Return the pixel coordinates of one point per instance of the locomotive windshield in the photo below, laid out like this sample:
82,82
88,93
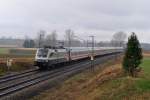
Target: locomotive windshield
42,52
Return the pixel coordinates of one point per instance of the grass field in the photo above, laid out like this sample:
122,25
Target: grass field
146,66
100,86
17,52
22,59
4,50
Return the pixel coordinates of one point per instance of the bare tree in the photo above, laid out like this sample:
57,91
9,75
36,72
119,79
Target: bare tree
118,39
69,37
51,39
40,38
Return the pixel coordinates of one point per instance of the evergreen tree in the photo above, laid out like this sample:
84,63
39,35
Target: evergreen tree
133,55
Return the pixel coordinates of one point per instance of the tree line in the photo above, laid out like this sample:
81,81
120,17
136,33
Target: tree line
71,39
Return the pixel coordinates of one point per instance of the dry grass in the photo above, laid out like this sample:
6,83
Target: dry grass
82,86
23,58
146,53
18,64
108,82
142,96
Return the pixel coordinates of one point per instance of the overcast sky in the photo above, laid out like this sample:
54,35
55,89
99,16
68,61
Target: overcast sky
101,18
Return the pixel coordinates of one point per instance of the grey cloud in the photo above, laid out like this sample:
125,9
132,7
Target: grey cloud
26,17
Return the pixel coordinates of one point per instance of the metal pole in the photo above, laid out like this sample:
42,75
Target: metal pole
87,44
69,46
40,40
92,58
41,37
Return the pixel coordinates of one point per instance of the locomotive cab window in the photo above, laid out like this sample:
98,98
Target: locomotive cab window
42,53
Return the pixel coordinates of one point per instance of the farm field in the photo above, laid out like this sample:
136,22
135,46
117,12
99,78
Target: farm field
22,59
4,50
17,52
108,83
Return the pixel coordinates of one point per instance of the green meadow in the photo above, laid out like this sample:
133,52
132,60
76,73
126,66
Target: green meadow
129,88
4,50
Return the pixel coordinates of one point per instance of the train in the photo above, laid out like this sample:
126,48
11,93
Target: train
49,57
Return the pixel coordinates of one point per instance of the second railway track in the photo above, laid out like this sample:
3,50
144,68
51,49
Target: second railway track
17,75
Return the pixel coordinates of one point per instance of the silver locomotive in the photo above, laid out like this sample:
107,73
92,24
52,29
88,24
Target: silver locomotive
48,57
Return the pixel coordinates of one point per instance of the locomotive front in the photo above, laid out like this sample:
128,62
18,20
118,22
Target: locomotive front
41,58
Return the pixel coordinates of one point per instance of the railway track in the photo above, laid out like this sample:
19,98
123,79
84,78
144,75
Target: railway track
33,80
18,75
14,83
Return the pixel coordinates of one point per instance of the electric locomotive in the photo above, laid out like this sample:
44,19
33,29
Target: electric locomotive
48,57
